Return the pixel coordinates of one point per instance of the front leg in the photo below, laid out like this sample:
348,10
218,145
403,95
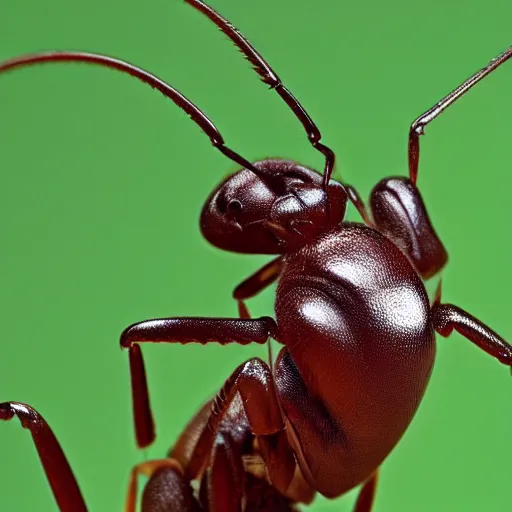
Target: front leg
256,283
182,330
254,383
366,495
448,317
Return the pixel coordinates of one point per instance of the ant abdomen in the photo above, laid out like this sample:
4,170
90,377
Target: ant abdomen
278,210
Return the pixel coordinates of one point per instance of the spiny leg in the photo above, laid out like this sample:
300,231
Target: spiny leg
169,486
153,81
418,125
254,383
58,471
270,78
222,483
366,495
182,330
448,317
220,469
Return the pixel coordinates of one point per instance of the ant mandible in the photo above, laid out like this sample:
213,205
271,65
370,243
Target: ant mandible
352,313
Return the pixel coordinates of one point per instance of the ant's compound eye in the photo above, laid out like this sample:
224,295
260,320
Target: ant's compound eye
228,207
234,206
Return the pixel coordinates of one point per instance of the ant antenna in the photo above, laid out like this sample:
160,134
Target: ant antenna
269,77
199,117
418,125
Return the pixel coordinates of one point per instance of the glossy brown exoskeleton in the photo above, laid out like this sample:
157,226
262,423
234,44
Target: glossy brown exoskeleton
352,313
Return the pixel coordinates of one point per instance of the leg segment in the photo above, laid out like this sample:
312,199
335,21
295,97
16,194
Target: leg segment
256,283
253,285
183,448
356,200
418,126
393,214
169,488
448,317
367,494
254,382
182,330
269,77
166,491
60,475
222,486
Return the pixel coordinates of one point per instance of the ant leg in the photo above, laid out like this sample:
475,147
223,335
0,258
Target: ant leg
183,448
367,494
224,475
418,126
397,206
167,488
253,285
222,486
448,317
354,196
254,383
256,283
58,471
182,330
269,77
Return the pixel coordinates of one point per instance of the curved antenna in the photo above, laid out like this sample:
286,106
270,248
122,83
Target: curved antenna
199,117
268,76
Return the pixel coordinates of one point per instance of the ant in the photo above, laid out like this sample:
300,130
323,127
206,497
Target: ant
356,325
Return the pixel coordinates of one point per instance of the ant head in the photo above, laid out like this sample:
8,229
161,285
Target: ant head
278,210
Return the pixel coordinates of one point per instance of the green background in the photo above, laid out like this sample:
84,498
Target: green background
103,180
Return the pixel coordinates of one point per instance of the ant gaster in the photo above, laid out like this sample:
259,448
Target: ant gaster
352,313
